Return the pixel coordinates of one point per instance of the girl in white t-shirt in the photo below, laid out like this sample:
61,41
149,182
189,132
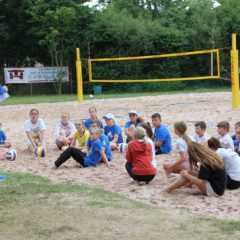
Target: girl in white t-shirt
35,131
182,163
231,162
149,137
64,131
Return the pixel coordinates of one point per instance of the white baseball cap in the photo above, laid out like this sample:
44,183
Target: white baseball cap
133,112
109,116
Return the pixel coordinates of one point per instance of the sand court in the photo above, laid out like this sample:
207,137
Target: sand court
208,107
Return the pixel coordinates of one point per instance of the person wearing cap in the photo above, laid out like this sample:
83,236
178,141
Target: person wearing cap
130,125
112,131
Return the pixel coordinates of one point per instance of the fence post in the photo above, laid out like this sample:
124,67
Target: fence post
234,73
79,76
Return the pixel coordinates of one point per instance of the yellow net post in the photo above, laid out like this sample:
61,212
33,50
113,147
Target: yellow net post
79,76
234,73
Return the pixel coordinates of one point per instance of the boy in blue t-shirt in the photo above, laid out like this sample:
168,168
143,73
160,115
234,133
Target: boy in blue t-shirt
92,158
162,137
104,140
112,131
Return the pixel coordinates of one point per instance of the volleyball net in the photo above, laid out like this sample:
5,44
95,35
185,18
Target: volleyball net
196,65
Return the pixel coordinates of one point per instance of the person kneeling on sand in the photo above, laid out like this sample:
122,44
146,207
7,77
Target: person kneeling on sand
231,161
95,155
211,179
64,131
139,157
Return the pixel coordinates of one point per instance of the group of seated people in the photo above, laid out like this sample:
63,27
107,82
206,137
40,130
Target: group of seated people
210,163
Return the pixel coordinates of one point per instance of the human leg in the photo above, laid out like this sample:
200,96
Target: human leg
77,155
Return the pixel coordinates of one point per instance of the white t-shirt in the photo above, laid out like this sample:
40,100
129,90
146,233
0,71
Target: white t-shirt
154,163
68,129
201,139
34,127
181,146
226,141
231,162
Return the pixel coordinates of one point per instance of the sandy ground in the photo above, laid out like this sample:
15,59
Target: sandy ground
209,107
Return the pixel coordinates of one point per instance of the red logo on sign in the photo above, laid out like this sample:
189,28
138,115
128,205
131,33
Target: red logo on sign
16,74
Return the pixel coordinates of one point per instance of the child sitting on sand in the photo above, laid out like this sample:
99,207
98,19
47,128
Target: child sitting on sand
93,117
182,163
64,131
81,136
224,138
35,131
104,140
231,162
201,136
162,137
113,131
211,179
92,158
139,155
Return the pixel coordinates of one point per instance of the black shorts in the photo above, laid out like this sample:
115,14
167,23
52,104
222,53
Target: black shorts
232,184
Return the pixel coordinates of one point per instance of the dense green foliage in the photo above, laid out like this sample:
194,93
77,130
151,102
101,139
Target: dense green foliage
48,31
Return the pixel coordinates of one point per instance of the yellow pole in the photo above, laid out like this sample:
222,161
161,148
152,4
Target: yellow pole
234,73
79,76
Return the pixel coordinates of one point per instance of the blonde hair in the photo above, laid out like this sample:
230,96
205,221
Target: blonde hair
140,134
92,108
65,113
181,127
204,155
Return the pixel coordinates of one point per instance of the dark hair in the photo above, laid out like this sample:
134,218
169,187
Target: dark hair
224,124
237,124
214,143
201,124
156,115
140,119
97,122
148,128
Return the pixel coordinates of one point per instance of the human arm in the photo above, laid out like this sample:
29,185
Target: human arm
30,138
42,137
104,158
200,183
177,165
73,143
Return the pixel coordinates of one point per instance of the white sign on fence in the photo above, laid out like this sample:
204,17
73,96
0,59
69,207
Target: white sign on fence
35,75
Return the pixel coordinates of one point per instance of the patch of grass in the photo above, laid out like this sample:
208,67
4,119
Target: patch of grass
33,208
36,99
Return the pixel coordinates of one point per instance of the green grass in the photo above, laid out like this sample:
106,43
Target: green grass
33,208
67,97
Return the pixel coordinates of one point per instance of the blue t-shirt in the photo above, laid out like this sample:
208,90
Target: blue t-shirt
88,123
3,137
162,134
93,156
106,145
234,137
111,131
128,124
